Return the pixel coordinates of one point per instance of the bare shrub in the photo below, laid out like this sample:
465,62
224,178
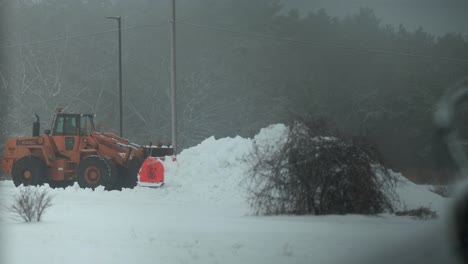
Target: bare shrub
30,203
317,171
442,190
43,202
422,212
23,204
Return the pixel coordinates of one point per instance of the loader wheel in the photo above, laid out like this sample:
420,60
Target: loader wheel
29,170
113,180
94,171
128,177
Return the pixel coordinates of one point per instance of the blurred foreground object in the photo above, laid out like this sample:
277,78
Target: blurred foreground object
449,133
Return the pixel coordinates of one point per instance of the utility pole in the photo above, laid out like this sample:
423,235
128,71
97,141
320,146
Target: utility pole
173,77
119,25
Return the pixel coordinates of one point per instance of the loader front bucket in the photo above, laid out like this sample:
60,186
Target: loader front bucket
151,173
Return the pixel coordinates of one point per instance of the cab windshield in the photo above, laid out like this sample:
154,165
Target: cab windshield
86,124
73,124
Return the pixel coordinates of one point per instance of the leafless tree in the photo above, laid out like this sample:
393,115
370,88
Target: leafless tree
316,171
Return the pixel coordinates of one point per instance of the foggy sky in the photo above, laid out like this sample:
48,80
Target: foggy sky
435,16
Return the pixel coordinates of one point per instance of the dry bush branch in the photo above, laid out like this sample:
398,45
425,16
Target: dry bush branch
422,212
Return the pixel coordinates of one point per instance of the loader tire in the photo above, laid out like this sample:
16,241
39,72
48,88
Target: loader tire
94,171
113,183
29,171
128,177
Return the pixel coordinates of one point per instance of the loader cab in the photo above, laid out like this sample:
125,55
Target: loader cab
69,131
72,124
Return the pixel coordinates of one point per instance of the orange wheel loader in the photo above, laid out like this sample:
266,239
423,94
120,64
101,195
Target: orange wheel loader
72,150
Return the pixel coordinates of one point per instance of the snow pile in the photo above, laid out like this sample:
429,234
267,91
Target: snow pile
215,170
212,171
414,196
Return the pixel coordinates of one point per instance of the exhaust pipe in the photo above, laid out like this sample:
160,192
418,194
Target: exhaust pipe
36,127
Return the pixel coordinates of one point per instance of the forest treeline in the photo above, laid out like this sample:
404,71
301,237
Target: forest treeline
228,83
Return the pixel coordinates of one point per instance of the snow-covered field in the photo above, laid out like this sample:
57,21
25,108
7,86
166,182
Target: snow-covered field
201,216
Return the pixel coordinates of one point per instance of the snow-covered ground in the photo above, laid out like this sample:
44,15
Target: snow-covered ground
201,216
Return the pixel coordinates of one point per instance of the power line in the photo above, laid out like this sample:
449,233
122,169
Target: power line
79,36
325,45
256,35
